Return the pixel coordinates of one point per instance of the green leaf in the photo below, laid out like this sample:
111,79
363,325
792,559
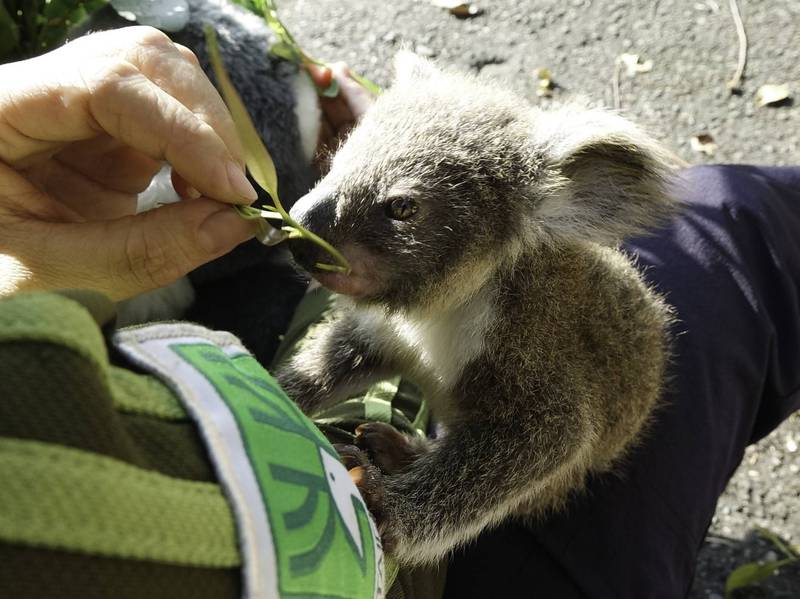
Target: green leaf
288,48
776,540
751,573
9,35
370,86
286,51
256,156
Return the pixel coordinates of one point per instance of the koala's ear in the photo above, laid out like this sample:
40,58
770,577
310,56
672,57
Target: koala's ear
607,180
409,67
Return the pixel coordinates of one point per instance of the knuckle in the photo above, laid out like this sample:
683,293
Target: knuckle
188,54
150,36
149,263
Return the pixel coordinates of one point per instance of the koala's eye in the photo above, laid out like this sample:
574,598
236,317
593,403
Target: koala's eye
401,208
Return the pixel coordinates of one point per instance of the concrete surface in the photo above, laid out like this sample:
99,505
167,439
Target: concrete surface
693,46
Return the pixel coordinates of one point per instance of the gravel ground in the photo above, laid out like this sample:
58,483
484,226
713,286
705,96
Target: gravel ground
693,46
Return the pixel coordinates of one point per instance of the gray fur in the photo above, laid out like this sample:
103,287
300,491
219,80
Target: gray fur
504,297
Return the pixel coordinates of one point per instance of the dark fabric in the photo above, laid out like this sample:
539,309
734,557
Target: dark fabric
35,573
730,265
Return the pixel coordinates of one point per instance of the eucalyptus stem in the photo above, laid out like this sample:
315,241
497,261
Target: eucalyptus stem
288,48
261,166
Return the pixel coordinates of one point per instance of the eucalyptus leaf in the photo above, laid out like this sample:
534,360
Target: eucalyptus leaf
751,573
285,51
256,155
9,34
287,47
258,160
265,233
369,85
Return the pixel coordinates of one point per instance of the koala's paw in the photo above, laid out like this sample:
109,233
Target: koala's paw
369,481
388,449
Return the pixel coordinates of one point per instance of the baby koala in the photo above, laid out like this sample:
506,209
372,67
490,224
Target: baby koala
482,234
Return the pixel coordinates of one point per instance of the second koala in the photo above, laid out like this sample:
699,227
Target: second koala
483,238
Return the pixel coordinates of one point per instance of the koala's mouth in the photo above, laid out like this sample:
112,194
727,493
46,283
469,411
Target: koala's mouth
353,284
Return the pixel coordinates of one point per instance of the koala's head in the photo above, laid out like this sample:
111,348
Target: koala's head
447,178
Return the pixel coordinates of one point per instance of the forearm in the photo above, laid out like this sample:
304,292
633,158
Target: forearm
477,475
334,363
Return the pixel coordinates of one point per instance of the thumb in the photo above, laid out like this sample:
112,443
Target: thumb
133,254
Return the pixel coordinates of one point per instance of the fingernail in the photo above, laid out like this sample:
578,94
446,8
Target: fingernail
192,193
239,182
224,230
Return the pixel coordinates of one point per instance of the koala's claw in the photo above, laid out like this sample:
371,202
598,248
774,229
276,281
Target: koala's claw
388,449
369,481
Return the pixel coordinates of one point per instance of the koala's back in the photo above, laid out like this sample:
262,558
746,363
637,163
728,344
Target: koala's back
579,322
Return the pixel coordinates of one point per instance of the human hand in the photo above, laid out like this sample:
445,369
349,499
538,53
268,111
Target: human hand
83,130
340,113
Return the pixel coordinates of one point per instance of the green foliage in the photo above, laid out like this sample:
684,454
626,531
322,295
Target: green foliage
753,572
30,27
260,164
288,48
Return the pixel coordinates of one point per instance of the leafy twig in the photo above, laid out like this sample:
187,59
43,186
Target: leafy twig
288,48
736,80
778,542
754,572
260,163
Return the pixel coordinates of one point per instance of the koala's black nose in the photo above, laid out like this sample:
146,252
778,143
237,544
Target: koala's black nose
316,212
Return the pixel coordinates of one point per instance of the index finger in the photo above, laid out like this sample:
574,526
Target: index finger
176,70
135,85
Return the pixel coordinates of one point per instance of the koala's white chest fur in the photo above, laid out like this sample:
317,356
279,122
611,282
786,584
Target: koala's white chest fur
433,348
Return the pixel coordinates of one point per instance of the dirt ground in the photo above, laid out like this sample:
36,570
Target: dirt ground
693,47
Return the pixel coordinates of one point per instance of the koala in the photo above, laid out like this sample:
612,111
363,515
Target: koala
483,238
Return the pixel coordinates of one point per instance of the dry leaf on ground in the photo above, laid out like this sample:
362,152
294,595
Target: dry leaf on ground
544,82
634,64
703,143
772,94
459,9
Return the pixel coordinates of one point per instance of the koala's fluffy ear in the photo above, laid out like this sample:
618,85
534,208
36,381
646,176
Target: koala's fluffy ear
607,179
410,67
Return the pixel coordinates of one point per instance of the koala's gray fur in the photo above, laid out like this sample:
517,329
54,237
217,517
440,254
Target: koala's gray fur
534,338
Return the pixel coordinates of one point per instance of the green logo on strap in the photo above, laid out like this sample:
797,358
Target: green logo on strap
324,540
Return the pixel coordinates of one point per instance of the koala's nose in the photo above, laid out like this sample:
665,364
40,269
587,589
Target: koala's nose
315,211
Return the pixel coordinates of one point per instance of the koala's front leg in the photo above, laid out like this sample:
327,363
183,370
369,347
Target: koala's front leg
336,362
483,470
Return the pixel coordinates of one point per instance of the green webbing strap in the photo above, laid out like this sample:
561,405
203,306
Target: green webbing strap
143,394
51,318
59,497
